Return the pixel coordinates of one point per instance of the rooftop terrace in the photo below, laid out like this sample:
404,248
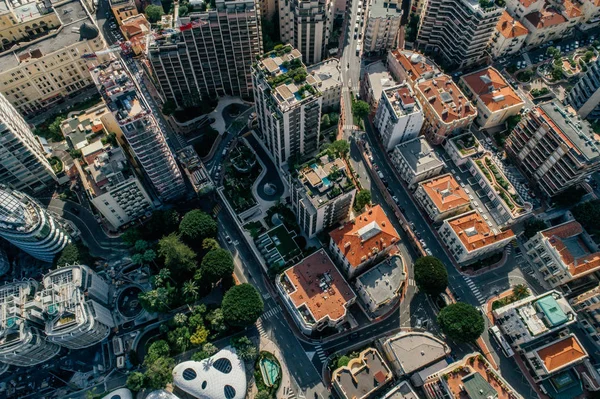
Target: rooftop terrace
324,179
402,100
384,281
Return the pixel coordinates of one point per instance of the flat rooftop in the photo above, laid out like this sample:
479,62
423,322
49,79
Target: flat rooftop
326,73
448,101
491,89
72,15
445,193
384,8
383,282
474,232
315,285
419,155
415,350
402,100
363,375
379,78
323,180
577,133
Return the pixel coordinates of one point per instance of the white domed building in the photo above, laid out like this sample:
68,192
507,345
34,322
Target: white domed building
121,393
221,376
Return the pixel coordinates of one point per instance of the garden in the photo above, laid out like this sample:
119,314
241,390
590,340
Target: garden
467,144
267,375
518,292
56,163
498,181
238,179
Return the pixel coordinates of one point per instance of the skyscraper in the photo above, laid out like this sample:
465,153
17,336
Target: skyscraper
585,95
306,25
459,29
25,224
22,162
141,130
211,56
288,105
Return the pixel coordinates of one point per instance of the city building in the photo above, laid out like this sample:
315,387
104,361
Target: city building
553,148
73,303
329,81
472,377
141,130
321,195
591,14
211,56
23,165
408,352
383,25
195,170
123,9
410,66
22,344
289,114
383,284
42,48
563,253
363,241
222,375
585,94
82,129
545,25
399,117
315,293
519,8
509,36
552,358
495,99
459,29
534,318
113,188
462,147
442,197
587,306
306,25
121,393
362,377
469,237
135,29
505,203
445,107
416,161
375,79
26,225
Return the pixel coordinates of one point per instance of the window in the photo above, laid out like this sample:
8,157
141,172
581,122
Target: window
189,374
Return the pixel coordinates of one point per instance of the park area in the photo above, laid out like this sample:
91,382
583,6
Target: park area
241,171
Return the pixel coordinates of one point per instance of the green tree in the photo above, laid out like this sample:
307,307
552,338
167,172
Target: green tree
262,395
360,109
137,259
210,244
135,381
190,291
588,56
334,118
430,275
461,322
216,265
183,11
520,291
217,321
149,256
200,336
178,257
74,253
242,305
179,339
340,148
363,197
532,226
210,349
557,72
141,245
54,128
131,236
244,348
159,374
552,51
412,28
169,106
156,350
342,362
157,300
154,13
588,214
569,197
162,278
325,121
179,319
197,225
162,223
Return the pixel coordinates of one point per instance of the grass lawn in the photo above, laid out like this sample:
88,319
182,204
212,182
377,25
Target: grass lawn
284,242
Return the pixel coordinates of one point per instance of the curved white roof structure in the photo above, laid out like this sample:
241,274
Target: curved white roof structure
219,377
161,394
121,393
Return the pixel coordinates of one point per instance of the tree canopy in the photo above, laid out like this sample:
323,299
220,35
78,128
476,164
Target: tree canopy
340,148
360,109
363,197
169,106
245,348
135,381
177,256
588,214
197,225
216,265
461,322
431,275
74,253
242,305
532,226
154,13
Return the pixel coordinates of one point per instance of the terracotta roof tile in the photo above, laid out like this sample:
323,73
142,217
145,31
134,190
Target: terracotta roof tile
545,19
491,89
446,99
556,236
474,232
365,236
414,69
527,3
571,9
307,277
561,353
510,27
445,192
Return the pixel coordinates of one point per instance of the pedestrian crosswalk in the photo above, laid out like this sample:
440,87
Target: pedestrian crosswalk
261,329
288,393
348,127
270,313
474,289
321,353
355,89
411,282
509,249
266,296
217,209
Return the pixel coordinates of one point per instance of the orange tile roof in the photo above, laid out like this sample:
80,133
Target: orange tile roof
441,93
492,89
545,19
527,3
135,25
306,277
510,27
577,266
561,353
571,9
474,232
445,192
414,69
365,236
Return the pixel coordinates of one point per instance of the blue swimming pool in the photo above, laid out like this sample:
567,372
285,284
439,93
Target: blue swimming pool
326,182
283,69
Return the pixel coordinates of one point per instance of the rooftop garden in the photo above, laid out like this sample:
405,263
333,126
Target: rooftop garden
238,184
466,144
295,72
279,51
518,292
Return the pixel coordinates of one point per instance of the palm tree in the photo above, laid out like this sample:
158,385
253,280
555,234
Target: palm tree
520,291
190,289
